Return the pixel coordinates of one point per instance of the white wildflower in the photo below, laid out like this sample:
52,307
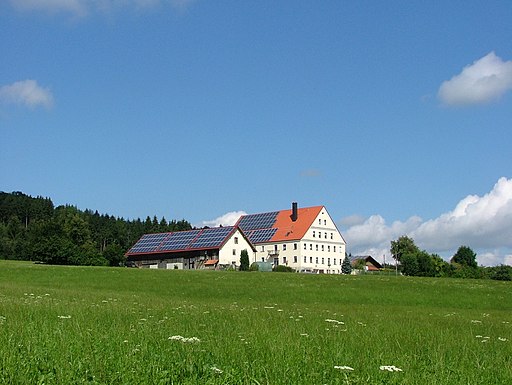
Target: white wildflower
216,370
502,339
304,334
64,316
343,367
390,368
475,321
185,340
335,321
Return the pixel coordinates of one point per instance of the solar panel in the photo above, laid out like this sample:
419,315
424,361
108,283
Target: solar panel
148,243
211,237
258,221
179,240
261,235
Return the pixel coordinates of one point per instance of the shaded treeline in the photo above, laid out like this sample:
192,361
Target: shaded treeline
33,229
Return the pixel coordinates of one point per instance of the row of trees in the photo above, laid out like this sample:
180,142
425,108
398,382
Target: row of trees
33,229
463,264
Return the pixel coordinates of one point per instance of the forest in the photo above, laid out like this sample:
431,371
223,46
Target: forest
32,228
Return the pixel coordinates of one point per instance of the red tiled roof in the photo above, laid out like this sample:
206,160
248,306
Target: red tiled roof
288,230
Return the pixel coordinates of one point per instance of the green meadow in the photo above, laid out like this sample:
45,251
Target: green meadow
91,325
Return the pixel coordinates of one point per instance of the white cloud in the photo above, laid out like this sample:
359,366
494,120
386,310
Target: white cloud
26,92
80,8
485,80
228,219
482,223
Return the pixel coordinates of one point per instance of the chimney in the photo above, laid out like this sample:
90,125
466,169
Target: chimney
295,212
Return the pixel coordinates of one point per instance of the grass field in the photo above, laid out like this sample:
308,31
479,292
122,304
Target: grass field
86,325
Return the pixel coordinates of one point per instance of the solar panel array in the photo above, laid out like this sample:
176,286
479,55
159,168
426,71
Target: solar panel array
211,237
181,241
261,235
148,243
258,221
259,227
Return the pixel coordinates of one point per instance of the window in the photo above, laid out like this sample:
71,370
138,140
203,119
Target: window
316,247
313,233
331,235
334,247
323,261
295,247
329,248
325,222
275,248
316,260
325,236
305,259
234,251
322,247
319,221
294,259
305,246
329,261
310,246
284,247
236,240
262,259
262,248
334,260
310,259
284,260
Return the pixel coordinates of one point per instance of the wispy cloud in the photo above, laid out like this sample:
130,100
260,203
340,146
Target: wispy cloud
81,8
26,92
483,81
480,222
311,173
228,219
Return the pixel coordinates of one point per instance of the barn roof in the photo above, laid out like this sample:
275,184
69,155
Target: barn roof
198,239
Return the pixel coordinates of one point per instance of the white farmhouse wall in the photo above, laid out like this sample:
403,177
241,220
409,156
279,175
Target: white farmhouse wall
321,250
230,252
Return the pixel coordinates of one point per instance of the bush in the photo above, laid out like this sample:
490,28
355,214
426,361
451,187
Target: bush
283,269
254,267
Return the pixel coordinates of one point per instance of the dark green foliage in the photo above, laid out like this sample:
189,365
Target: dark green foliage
32,229
502,273
244,260
465,257
409,264
346,266
254,267
283,269
403,246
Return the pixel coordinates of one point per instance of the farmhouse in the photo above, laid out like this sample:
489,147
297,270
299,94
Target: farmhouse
194,249
306,239
368,262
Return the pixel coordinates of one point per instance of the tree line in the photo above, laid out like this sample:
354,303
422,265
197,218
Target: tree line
31,228
415,262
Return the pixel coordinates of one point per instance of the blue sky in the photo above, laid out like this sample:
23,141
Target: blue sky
396,116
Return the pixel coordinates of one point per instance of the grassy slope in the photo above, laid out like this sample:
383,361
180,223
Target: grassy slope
63,325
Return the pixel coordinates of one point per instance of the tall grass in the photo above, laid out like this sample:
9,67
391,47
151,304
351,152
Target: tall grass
79,325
